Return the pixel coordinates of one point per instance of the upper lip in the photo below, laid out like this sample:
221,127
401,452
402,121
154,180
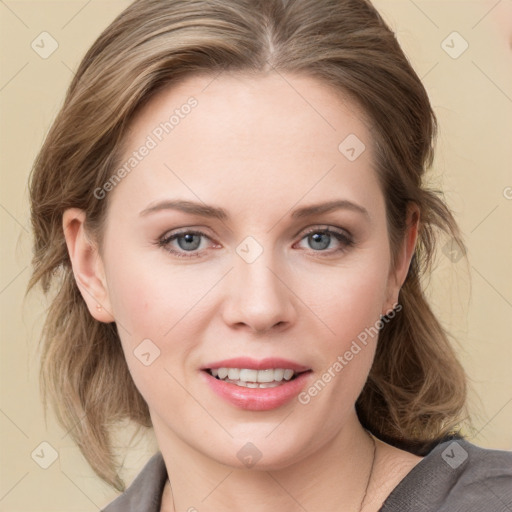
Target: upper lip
256,364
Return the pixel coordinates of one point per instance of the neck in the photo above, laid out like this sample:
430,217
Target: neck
335,477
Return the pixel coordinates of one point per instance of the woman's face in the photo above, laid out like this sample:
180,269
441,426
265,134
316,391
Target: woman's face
258,283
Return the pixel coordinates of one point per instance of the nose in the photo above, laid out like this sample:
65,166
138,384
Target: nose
258,296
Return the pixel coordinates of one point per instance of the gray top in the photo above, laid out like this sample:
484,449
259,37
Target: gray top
456,476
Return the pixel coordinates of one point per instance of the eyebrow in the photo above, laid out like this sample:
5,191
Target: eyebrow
341,204
205,210
188,207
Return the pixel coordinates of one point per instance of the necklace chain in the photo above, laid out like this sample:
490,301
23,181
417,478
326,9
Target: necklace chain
370,474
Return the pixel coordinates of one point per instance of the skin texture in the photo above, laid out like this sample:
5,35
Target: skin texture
259,149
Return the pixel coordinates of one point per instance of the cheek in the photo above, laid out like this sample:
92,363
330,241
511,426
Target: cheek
135,299
351,307
146,308
350,298
148,296
157,308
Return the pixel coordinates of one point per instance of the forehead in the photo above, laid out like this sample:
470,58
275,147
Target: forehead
280,135
233,105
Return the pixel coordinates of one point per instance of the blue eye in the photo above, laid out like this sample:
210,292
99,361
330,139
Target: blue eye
191,241
320,239
188,242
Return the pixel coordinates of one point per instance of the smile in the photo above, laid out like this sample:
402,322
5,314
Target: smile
256,385
249,378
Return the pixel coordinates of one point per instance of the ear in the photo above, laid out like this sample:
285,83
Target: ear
398,274
87,265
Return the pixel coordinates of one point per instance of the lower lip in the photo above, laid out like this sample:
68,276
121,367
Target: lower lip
257,399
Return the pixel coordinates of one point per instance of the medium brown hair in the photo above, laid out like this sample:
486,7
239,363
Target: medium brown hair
416,390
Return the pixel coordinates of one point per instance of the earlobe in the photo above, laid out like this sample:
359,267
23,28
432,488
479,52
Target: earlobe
87,265
399,273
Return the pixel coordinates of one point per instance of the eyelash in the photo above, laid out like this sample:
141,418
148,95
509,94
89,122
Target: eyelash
345,239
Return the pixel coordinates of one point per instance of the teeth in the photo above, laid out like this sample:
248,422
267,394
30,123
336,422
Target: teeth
278,374
243,384
288,374
233,373
249,375
266,375
251,378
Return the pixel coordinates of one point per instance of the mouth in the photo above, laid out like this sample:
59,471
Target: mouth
256,385
251,378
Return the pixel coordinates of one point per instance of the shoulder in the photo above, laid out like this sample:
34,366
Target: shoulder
145,493
456,476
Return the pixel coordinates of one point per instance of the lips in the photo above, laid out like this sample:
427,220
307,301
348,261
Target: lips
256,364
256,385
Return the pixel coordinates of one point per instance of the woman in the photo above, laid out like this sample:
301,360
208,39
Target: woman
232,200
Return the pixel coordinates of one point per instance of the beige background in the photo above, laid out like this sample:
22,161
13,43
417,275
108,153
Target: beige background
472,96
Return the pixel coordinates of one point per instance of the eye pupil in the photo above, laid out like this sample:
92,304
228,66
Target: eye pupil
189,238
317,242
